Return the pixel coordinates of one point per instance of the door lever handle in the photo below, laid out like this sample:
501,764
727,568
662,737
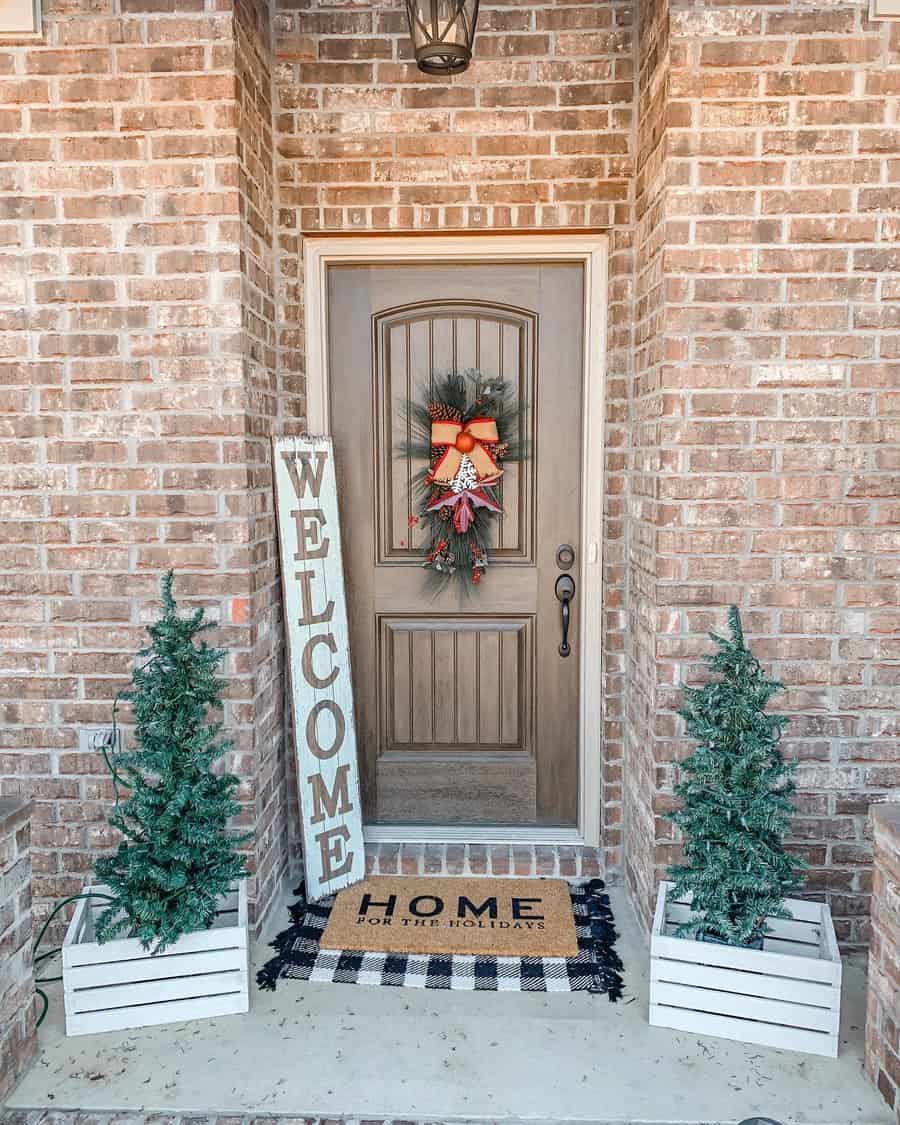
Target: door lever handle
565,591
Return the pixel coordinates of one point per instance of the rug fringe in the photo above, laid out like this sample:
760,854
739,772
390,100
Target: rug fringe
267,976
607,967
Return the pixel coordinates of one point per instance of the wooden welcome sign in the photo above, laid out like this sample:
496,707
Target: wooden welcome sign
315,612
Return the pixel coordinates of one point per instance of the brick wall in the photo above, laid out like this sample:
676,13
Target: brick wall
537,134
18,1002
883,1007
644,453
263,411
163,161
136,359
778,413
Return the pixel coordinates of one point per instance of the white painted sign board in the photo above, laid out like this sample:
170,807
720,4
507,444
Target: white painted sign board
318,651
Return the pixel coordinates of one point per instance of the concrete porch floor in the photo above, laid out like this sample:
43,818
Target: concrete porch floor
343,1051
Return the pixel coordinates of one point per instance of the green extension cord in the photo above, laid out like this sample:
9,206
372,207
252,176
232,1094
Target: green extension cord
50,953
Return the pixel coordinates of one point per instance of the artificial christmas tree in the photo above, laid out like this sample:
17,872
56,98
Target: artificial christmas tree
177,859
762,968
736,791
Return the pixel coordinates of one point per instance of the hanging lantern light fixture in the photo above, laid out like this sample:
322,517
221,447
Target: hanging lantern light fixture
442,33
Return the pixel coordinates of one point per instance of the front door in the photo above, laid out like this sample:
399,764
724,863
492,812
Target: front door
466,712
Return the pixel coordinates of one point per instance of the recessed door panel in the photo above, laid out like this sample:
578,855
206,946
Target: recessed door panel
455,682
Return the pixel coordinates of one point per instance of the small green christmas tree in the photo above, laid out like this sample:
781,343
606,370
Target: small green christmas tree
736,791
177,856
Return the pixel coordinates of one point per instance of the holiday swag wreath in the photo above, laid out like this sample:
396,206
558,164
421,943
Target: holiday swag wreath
464,431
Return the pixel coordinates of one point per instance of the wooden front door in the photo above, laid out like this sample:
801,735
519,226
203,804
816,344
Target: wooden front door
466,712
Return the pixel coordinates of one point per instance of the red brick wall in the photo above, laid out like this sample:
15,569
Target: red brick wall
644,450
136,360
537,134
882,1011
18,1000
263,413
779,403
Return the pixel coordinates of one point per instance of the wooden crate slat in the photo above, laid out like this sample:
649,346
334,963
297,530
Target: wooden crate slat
733,957
792,948
830,947
745,1006
149,1015
786,929
227,916
154,992
770,945
75,929
130,949
816,993
803,910
153,968
229,903
745,1031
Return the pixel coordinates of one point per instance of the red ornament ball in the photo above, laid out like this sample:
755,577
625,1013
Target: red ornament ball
465,443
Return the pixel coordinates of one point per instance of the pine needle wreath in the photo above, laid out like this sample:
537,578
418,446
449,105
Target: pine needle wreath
464,428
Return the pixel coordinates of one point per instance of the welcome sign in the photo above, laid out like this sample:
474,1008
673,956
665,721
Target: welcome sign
319,661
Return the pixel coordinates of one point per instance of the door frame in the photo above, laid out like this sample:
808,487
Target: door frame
591,250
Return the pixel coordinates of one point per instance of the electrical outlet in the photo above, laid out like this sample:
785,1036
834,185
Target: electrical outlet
94,739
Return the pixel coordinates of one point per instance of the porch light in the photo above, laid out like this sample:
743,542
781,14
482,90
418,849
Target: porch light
442,33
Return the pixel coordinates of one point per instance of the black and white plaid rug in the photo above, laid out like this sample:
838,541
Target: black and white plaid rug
596,967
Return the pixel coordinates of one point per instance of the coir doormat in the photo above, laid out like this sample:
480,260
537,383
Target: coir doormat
503,917
596,966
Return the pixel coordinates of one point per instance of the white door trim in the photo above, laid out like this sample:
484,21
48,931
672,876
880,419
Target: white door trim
592,251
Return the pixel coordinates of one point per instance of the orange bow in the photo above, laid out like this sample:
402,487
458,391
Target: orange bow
465,440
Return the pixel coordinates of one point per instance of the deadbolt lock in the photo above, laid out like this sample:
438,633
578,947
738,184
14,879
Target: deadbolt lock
565,556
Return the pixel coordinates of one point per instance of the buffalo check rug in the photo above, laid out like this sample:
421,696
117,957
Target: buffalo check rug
596,966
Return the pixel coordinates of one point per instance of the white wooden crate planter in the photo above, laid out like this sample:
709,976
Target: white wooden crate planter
788,994
119,984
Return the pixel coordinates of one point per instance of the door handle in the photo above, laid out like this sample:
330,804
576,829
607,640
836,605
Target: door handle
565,591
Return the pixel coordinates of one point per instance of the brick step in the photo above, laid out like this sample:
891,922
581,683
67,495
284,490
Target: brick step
524,860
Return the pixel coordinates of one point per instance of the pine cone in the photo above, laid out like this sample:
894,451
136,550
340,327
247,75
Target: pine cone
439,412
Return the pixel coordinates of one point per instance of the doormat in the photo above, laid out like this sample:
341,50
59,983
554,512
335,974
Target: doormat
503,917
595,968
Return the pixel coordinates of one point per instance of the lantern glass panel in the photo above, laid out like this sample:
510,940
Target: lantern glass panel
442,33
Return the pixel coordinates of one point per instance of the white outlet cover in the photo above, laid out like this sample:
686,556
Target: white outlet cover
884,9
90,739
